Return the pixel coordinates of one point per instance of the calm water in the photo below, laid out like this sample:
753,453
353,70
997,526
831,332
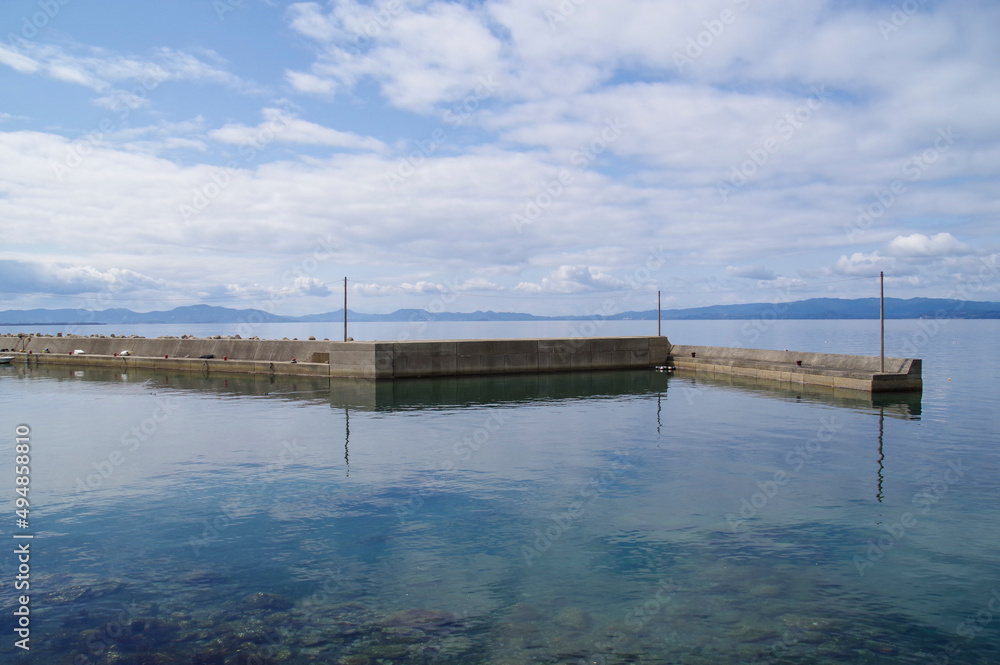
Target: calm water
614,517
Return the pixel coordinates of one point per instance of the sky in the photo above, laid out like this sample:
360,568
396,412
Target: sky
543,156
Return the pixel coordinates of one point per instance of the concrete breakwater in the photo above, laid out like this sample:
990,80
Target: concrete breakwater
365,360
393,360
850,372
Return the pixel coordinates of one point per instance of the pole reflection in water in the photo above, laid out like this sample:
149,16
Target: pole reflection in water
881,455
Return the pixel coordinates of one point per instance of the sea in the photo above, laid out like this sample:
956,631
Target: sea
597,517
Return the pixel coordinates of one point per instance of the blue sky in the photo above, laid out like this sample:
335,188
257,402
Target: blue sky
549,156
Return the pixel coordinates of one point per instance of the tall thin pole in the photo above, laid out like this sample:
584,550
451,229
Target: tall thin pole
345,309
881,318
658,329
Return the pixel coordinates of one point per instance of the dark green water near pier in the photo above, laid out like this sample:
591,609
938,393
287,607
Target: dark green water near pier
613,517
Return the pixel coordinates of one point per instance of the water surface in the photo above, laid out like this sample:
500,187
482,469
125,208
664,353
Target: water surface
619,517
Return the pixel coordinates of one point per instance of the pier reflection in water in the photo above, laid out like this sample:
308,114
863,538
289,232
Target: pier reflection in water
621,517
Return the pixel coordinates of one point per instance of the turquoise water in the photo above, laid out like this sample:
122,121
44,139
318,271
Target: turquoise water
613,517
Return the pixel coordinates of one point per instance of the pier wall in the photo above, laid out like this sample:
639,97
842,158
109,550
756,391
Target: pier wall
393,360
368,360
270,350
851,372
384,360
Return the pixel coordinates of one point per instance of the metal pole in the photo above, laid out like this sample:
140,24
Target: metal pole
881,317
658,330
345,309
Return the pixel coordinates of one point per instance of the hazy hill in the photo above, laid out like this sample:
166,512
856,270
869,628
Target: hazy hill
813,308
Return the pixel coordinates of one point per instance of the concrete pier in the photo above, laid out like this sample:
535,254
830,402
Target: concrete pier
848,372
362,360
396,360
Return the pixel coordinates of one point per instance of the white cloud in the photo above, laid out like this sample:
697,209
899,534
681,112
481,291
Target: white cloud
862,265
18,61
311,286
282,127
479,284
375,290
424,287
68,278
420,55
918,244
572,279
122,99
751,272
87,278
592,129
99,69
310,83
301,286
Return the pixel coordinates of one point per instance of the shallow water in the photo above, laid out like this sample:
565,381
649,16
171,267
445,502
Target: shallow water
618,517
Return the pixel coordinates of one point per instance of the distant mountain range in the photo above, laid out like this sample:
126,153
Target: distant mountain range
813,308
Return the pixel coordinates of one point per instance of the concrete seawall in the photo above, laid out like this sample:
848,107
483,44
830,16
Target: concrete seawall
389,360
364,360
793,367
393,360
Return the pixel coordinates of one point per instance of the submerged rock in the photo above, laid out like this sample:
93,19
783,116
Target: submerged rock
266,601
524,612
204,577
423,619
355,659
809,623
386,651
574,618
765,590
114,657
83,592
452,646
209,658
